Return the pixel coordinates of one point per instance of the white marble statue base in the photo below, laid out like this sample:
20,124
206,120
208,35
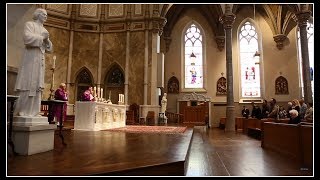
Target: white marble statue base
29,121
30,140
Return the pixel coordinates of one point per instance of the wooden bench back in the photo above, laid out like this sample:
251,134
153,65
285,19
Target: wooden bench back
292,140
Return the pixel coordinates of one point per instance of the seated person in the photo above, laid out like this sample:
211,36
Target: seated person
309,113
88,95
282,113
245,112
294,117
256,112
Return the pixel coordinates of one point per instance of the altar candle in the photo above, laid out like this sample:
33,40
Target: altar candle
98,92
94,91
101,93
54,62
109,94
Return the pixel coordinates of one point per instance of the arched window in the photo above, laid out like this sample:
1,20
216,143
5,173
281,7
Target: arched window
193,57
83,81
249,61
311,56
114,83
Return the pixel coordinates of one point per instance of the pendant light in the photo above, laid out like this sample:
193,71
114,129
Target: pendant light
257,53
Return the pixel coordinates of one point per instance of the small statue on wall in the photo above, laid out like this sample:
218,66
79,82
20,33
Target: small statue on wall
281,85
173,85
222,86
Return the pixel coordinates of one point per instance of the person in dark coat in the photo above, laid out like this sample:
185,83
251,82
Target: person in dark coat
245,112
294,117
256,111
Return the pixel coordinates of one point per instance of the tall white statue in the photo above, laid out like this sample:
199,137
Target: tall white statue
30,78
164,103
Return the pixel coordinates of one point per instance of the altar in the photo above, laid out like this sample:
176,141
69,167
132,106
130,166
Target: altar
96,116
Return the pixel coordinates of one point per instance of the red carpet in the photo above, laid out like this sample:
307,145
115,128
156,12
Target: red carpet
149,129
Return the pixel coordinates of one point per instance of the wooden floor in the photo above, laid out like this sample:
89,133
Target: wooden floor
197,152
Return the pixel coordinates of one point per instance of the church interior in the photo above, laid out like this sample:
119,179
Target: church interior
207,60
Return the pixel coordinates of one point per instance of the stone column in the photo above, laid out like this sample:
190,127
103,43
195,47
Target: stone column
100,60
154,57
73,16
146,58
145,68
302,19
227,20
157,29
126,79
100,50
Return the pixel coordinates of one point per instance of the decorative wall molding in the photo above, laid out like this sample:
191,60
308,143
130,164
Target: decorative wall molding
193,97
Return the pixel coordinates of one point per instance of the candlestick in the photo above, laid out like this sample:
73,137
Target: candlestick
54,62
101,93
98,92
94,91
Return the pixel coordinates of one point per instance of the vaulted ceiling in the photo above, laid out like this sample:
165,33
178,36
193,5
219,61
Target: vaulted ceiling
280,17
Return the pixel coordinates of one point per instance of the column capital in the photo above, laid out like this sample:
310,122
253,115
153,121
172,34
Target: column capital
158,24
227,20
279,39
220,40
302,17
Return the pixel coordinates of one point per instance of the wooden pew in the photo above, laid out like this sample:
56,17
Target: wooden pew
292,140
306,140
254,126
239,123
222,123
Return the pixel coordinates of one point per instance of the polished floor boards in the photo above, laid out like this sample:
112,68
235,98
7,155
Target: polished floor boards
197,152
107,153
214,152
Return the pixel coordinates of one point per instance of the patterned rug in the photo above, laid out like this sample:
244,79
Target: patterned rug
149,129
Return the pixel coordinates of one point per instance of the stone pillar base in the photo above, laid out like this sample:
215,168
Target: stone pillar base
230,121
35,139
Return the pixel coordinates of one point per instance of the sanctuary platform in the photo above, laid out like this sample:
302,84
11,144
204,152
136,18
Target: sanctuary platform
107,153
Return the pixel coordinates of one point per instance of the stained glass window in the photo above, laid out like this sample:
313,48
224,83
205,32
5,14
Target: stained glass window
193,58
249,64
311,56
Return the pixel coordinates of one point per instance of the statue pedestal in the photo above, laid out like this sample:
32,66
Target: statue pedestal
30,121
32,135
162,118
